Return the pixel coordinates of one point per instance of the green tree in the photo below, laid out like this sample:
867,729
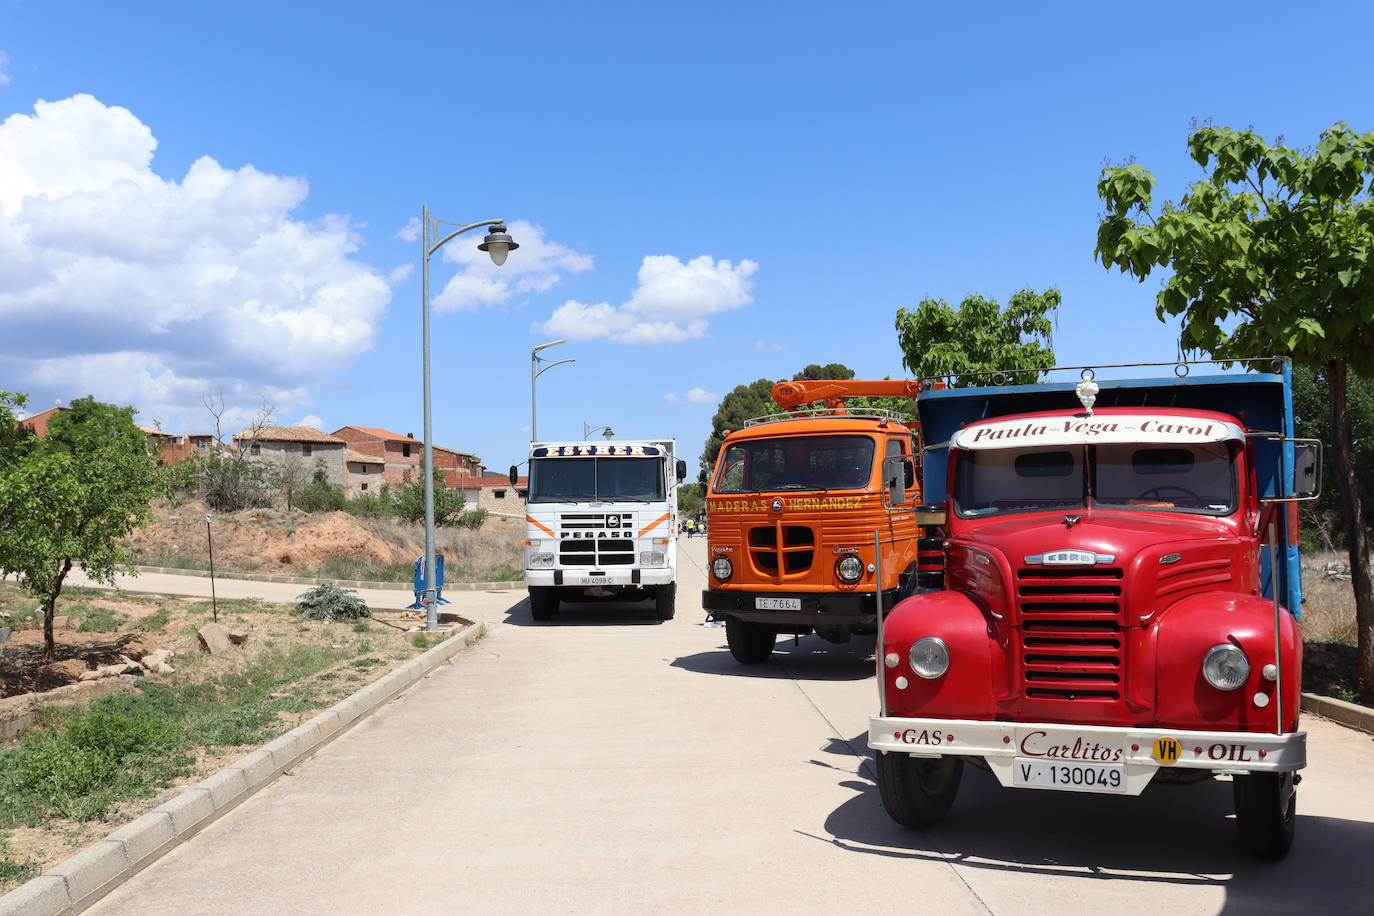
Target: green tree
741,403
1312,411
980,343
1272,253
12,434
409,502
691,499
67,499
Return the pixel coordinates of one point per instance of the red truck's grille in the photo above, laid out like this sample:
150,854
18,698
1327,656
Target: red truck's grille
1070,632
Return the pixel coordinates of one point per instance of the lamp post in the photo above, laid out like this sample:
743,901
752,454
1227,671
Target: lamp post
535,372
588,429
497,244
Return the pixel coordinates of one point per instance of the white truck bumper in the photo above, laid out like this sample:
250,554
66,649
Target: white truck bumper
1139,752
586,578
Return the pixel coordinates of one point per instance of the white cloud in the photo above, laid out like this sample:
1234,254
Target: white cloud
4,66
310,419
670,303
535,267
765,345
694,396
410,232
138,289
399,275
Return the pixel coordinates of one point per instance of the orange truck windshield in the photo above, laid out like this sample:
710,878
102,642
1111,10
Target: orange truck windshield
796,463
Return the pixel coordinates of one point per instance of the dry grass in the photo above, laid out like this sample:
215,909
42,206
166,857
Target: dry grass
1328,613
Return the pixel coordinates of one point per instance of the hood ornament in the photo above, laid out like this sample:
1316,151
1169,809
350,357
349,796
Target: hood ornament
1071,520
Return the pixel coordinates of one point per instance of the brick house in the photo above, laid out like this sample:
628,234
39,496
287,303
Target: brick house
39,421
495,494
403,456
172,447
303,447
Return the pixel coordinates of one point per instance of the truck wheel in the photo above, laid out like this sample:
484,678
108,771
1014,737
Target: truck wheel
543,603
665,601
750,643
1266,808
917,791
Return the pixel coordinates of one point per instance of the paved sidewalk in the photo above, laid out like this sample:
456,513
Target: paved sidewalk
608,762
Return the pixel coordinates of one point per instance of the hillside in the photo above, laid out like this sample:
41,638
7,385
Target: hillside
333,544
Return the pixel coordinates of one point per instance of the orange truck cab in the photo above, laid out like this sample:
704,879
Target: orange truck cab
793,507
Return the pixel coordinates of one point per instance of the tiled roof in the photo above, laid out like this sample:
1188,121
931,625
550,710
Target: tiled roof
359,457
290,434
451,451
379,433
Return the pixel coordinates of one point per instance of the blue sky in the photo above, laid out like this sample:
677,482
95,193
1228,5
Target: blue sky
217,198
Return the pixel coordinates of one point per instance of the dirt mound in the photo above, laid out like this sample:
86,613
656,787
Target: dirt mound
292,542
23,671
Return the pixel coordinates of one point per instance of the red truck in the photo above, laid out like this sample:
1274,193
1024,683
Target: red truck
1118,606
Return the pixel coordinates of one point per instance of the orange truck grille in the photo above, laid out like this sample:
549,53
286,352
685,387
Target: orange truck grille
1071,632
779,550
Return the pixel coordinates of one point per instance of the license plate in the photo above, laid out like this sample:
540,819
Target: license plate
777,604
1074,777
593,580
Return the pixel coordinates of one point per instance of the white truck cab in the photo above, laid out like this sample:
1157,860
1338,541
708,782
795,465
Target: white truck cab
601,523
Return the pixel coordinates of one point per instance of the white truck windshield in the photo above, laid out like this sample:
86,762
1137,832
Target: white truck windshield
562,480
1195,478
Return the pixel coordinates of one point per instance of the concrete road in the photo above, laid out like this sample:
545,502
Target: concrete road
610,763
198,587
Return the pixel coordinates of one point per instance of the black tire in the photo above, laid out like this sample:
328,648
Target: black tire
1266,812
665,601
543,603
750,643
917,791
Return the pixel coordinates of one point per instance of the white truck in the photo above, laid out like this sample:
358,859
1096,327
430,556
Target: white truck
601,523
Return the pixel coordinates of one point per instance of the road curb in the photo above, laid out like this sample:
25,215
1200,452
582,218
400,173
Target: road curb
1351,715
76,883
342,583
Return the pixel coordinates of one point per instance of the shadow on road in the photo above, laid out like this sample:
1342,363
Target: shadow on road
587,614
811,659
1171,834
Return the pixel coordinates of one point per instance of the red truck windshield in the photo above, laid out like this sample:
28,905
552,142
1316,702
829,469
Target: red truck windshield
1194,478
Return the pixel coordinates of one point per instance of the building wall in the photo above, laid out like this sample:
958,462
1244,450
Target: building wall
512,502
330,454
364,478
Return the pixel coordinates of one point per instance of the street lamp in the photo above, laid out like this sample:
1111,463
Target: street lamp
588,429
535,372
497,244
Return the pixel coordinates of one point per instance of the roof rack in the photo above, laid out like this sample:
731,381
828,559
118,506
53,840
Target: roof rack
864,413
1008,376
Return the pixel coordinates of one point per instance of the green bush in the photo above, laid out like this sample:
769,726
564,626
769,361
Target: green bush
327,601
97,620
318,496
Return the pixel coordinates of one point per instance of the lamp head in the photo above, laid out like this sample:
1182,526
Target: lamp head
498,244
608,433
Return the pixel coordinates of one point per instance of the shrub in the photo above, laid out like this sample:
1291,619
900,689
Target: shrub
98,620
318,496
327,601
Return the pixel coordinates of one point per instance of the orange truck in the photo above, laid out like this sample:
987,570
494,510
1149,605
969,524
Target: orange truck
793,507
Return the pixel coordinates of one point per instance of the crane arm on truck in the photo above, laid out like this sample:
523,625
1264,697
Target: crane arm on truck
789,395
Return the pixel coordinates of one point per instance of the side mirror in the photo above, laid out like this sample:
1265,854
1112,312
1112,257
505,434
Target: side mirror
897,470
681,470
1307,464
514,474
930,515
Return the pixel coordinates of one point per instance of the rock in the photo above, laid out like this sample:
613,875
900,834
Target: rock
74,623
214,639
72,668
238,637
59,621
156,662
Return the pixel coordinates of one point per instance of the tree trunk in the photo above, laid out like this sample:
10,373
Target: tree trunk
1357,536
50,608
